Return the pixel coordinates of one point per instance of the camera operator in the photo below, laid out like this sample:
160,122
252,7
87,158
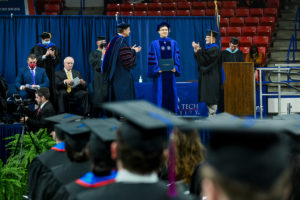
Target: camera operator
36,119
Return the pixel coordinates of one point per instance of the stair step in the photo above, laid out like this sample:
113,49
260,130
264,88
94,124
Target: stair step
287,16
285,34
286,24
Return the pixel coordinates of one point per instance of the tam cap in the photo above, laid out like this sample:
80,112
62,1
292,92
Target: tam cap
45,35
100,38
162,24
212,33
123,25
234,40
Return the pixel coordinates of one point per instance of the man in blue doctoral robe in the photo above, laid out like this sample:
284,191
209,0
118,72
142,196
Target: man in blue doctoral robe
164,82
117,63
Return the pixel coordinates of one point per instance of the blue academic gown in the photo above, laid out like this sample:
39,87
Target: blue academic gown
117,63
164,84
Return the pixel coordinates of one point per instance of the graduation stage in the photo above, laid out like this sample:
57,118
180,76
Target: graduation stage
188,104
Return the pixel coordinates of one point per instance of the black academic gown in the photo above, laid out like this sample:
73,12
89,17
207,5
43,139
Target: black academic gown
60,176
209,61
42,164
49,63
229,56
88,182
132,191
100,88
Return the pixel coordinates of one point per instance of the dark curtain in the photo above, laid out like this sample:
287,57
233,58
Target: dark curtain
75,36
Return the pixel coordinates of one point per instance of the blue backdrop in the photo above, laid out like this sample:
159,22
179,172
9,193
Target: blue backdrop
75,36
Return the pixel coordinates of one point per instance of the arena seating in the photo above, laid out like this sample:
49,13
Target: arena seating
251,25
49,7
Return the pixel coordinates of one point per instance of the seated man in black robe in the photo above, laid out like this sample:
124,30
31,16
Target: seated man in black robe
247,163
76,138
102,166
139,150
51,158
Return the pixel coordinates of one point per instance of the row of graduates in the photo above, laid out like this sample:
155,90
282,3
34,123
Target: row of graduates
246,162
126,155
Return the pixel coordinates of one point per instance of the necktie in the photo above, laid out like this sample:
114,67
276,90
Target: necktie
38,111
69,78
33,77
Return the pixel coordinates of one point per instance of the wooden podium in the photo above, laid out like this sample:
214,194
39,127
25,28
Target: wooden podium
239,88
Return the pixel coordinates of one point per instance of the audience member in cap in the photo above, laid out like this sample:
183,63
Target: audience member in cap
48,57
254,56
164,51
117,63
76,138
31,78
245,164
189,152
209,60
102,166
233,54
36,119
99,87
66,88
51,158
140,148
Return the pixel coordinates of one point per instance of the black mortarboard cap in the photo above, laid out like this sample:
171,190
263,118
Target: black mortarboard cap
100,38
146,125
212,33
234,40
45,35
76,134
123,25
249,152
162,25
103,131
60,119
292,124
63,118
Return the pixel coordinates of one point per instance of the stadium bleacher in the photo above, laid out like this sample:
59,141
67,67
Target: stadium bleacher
251,25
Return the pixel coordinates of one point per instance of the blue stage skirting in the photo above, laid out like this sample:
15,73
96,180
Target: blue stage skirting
7,130
188,104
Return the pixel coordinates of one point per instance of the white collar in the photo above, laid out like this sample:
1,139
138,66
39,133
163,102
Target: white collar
43,105
67,71
130,177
